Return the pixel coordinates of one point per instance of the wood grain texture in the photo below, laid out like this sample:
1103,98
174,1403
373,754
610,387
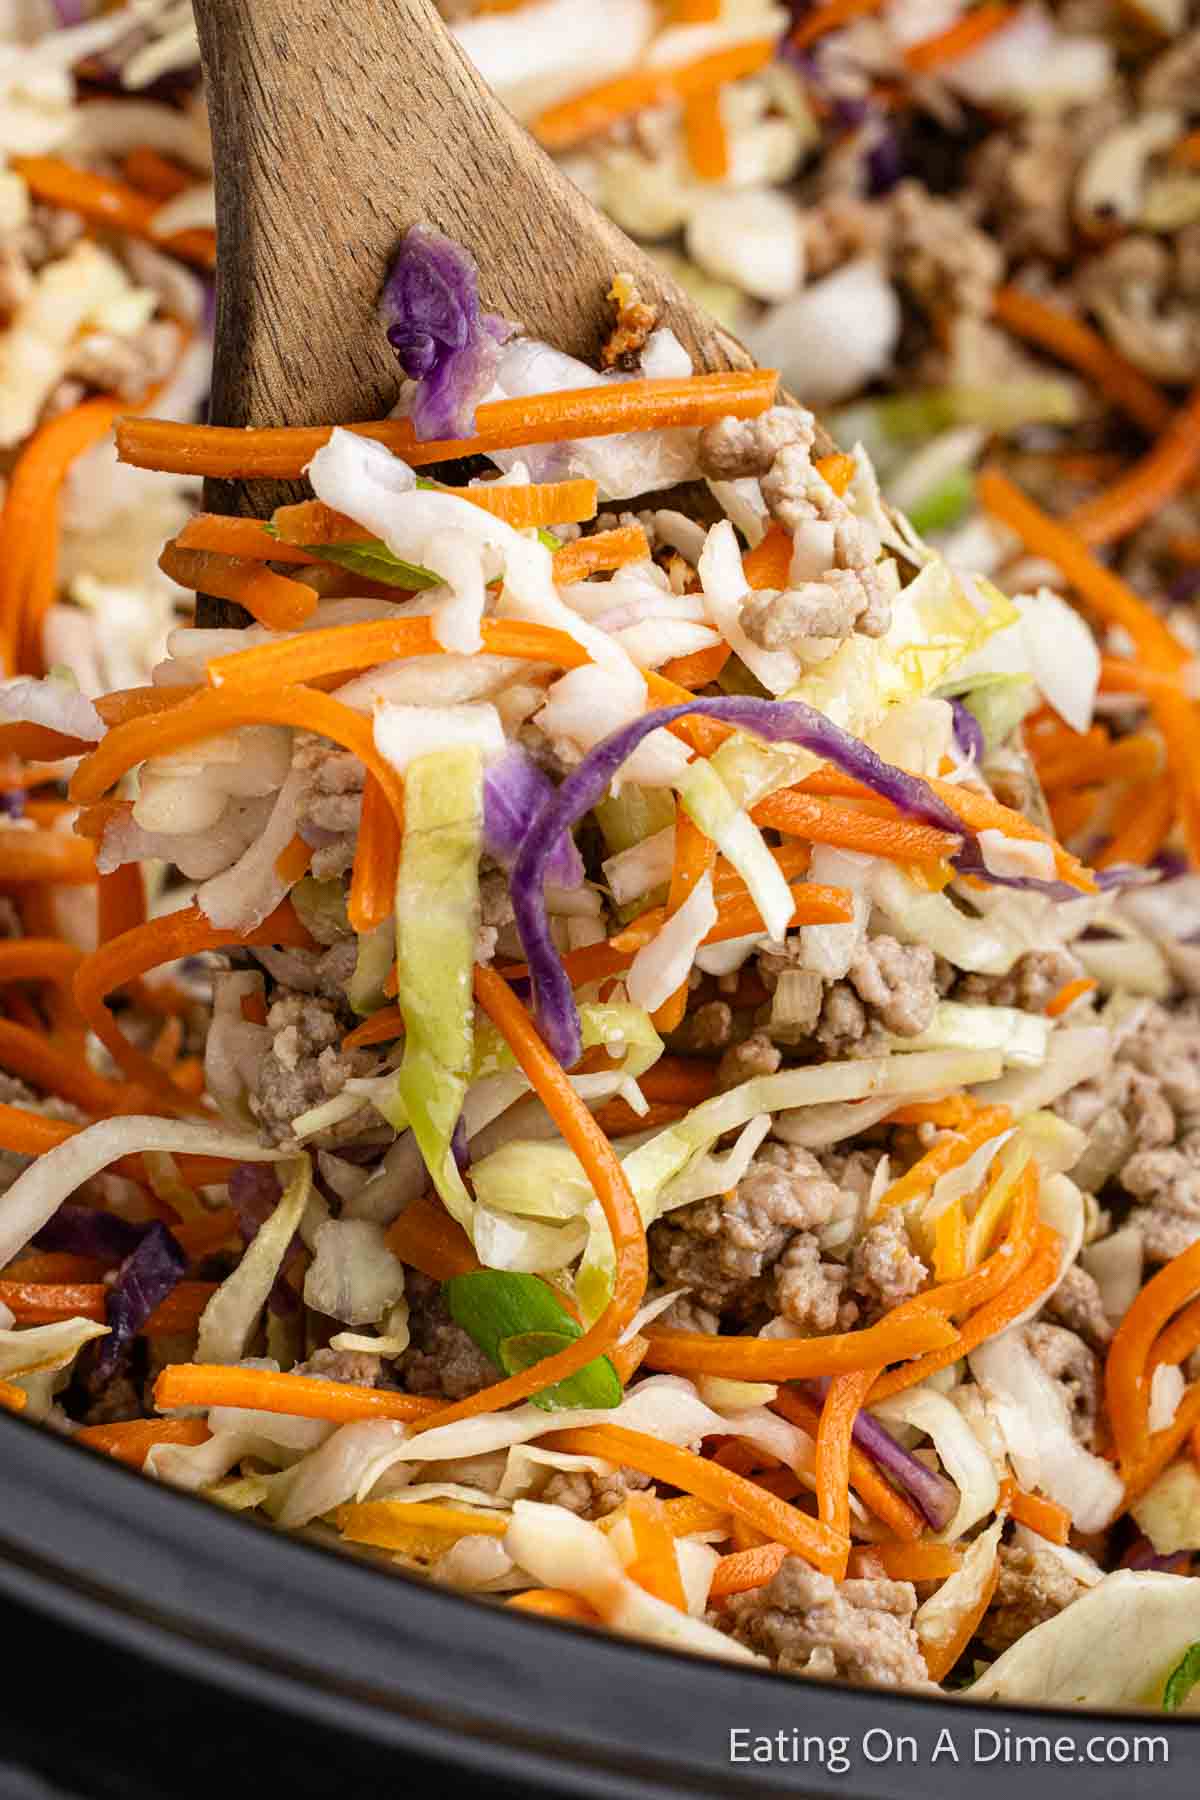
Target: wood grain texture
337,125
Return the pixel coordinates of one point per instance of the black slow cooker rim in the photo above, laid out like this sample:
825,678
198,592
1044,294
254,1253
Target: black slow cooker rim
402,1663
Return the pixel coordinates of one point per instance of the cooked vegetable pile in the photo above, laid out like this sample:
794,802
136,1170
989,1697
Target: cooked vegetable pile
630,1040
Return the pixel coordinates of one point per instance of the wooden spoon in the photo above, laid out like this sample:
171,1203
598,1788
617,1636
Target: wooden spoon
338,126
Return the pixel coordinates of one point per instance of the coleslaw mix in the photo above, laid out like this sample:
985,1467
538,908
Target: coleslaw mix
630,1041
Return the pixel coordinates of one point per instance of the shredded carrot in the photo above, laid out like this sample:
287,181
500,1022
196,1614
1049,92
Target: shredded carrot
246,539
427,1238
39,959
832,16
926,1561
656,1562
306,1396
950,1114
1179,1340
627,1358
175,448
29,541
376,862
593,962
950,1243
45,857
48,1303
533,505
32,1133
1069,994
769,564
838,470
948,1153
1163,1447
1126,1374
154,174
682,1080
341,649
293,862
814,904
1046,1517
1148,486
1072,812
1140,827
705,135
1186,152
617,1119
835,1442
1023,1292
692,1474
274,600
611,1188
743,1570
12,1397
597,554
698,669
200,1237
695,857
941,1658
695,12
131,1440
1077,345
387,1523
584,115
121,898
380,1028
795,1359
163,940
1137,757
37,1058
55,1266
825,822
103,201
968,31
553,1603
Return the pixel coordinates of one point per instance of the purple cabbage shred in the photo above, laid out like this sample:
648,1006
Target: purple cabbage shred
144,1280
514,789
254,1195
968,732
933,1495
85,1231
444,340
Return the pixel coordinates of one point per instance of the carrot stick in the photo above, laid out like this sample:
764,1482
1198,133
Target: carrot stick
925,1561
48,1303
282,452
584,115
656,1562
832,16
602,551
843,1402
814,905
872,1488
1137,757
121,901
1126,1379
825,822
45,856
533,505
1148,486
427,1238
743,1570
591,963
950,1243
795,1359
38,1059
380,1028
698,669
1077,345
1028,1287
609,1184
1163,1447
693,1474
948,1153
705,136
1111,597
343,649
244,538
695,857
274,600
103,201
131,1440
376,862
553,1603
167,939
940,1659
29,540
1069,994
145,168
769,564
966,34
1179,1339
304,1396
39,959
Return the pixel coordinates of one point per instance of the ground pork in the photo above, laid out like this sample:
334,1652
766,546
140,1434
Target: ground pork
1034,1586
330,804
441,1358
947,263
884,1267
357,1368
810,1293
756,1055
845,1028
124,365
732,448
710,1027
325,973
589,1495
634,321
897,982
1031,983
1067,1359
1144,291
1076,1303
496,913
1169,1181
305,1064
860,1631
722,1249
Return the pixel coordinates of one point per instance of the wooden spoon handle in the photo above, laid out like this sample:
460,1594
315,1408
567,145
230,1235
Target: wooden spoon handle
337,126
